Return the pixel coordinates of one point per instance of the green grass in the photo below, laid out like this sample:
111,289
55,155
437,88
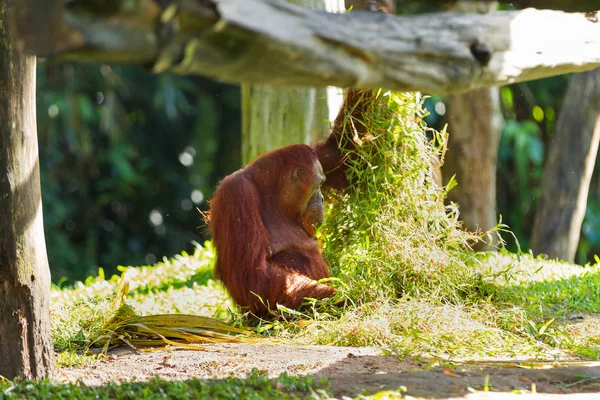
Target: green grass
504,321
256,386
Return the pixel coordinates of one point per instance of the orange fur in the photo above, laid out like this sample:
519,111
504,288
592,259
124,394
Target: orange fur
264,246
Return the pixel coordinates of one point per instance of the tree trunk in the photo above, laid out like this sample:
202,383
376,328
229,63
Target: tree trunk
275,116
568,171
25,343
475,126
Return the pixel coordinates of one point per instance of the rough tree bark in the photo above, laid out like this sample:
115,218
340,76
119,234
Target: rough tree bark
568,171
25,344
231,40
475,126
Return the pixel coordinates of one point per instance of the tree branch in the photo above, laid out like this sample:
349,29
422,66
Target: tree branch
275,42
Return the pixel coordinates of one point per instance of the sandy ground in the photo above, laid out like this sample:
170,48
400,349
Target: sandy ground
352,371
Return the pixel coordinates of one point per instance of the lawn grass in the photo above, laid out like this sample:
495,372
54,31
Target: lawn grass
535,310
181,285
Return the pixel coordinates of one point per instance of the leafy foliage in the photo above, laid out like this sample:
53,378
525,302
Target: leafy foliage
126,157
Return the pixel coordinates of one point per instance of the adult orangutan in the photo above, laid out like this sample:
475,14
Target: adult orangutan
263,220
263,216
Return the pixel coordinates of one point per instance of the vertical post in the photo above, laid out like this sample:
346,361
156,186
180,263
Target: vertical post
475,125
568,172
25,343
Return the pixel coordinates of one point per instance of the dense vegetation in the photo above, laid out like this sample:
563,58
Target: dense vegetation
126,157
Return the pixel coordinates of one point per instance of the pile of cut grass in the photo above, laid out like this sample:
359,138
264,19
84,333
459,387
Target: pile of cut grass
391,235
410,282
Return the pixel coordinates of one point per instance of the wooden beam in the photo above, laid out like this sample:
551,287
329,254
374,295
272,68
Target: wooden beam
275,42
562,5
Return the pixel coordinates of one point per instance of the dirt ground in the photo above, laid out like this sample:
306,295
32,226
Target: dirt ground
352,371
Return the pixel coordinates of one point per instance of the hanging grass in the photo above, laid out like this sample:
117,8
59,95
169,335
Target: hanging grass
390,235
407,279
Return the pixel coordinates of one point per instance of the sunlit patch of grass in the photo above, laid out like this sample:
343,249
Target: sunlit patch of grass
562,297
72,358
182,285
583,334
501,323
561,302
73,323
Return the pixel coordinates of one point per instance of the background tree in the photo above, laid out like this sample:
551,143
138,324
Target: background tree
568,172
25,342
275,116
475,126
126,157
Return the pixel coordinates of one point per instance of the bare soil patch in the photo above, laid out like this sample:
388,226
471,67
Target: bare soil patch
352,371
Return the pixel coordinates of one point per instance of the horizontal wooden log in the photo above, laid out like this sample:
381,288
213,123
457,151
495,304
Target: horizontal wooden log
563,5
275,42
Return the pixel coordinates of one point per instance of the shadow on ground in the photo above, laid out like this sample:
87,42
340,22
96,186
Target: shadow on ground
351,371
441,383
